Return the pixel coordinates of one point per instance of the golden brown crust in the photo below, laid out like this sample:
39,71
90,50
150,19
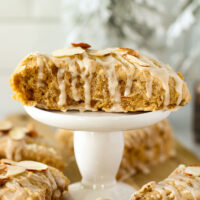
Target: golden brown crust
116,80
145,147
182,184
26,180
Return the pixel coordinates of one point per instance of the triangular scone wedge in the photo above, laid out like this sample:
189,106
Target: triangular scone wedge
112,80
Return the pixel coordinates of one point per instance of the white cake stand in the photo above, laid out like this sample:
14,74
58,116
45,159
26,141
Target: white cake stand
98,145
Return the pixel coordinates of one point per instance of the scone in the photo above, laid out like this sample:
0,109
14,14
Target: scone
30,180
143,147
112,80
182,184
24,143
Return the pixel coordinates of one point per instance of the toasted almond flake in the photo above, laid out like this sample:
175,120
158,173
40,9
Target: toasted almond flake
81,44
68,51
133,60
31,132
192,171
5,126
103,52
14,171
7,161
18,133
134,53
2,167
180,75
32,165
3,179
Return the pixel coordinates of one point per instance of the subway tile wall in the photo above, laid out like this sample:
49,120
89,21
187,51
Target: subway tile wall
25,26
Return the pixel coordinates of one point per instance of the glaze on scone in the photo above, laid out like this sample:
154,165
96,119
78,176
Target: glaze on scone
30,180
24,143
112,80
146,147
143,148
182,184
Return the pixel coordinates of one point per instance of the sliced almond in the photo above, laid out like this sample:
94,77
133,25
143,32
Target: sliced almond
103,52
192,171
18,133
7,161
81,44
5,126
14,171
32,165
32,132
3,179
2,167
68,51
133,60
180,75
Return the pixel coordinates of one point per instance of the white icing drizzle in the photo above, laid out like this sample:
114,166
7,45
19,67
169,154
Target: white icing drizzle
171,189
164,72
181,180
161,190
109,64
149,88
74,73
40,64
61,82
88,66
129,70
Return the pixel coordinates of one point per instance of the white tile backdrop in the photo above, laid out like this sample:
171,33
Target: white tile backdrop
25,26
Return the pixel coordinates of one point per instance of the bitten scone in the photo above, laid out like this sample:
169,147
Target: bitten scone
112,80
182,184
24,143
30,180
143,147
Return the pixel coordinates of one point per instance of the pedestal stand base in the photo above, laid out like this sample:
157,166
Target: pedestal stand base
98,147
118,191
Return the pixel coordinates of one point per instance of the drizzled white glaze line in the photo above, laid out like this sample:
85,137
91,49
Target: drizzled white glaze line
109,64
181,180
61,83
149,88
129,70
161,190
74,73
162,72
172,190
86,65
40,64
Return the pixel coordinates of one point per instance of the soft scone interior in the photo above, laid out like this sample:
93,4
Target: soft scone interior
112,80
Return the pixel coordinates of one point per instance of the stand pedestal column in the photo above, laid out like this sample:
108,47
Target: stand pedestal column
98,155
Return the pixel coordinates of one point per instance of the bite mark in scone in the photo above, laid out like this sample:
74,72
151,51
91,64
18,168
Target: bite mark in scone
24,143
112,80
183,183
28,181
